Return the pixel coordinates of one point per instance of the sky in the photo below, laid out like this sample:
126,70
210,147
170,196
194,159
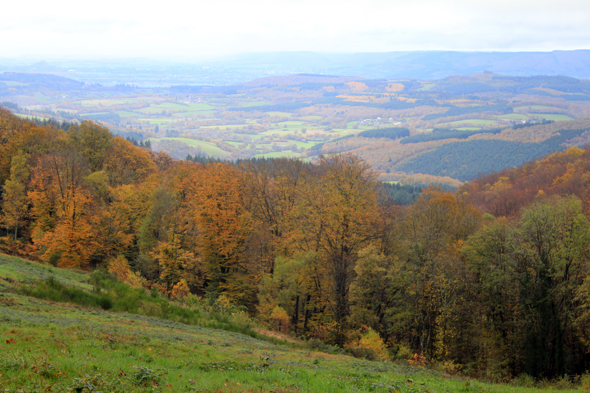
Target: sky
206,29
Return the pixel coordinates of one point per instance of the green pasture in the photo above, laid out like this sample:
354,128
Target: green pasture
14,83
15,268
279,154
479,122
255,103
427,86
42,97
554,117
206,147
29,117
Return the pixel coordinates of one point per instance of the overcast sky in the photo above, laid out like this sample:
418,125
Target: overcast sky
200,29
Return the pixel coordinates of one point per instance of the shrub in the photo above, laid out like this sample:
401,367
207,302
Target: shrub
369,346
143,376
524,380
180,291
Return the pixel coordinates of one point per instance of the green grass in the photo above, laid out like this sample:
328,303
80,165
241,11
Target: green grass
206,147
278,154
256,103
29,117
554,117
60,345
14,83
479,122
25,271
427,86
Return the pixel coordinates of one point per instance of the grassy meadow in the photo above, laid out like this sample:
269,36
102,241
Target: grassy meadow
61,346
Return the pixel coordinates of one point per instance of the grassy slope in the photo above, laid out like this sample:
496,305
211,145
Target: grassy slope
65,348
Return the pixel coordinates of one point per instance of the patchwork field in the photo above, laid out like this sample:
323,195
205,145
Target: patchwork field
284,116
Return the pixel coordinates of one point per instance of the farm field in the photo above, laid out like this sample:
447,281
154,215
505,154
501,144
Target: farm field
555,117
64,347
273,117
207,147
478,122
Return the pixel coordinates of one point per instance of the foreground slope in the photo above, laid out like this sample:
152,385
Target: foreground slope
56,347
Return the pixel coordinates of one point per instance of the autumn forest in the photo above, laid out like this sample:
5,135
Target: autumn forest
491,279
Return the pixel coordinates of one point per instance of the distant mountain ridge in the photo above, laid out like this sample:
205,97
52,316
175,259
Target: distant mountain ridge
241,68
427,64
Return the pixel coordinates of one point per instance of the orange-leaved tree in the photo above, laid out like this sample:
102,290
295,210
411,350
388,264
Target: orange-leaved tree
218,206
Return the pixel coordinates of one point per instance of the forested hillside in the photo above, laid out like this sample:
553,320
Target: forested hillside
319,250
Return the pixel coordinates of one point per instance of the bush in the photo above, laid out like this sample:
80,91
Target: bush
524,380
369,346
320,346
143,376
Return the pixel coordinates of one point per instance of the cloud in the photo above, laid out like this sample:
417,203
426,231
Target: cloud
180,29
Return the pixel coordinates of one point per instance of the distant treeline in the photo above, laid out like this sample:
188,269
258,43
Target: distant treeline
285,107
560,83
466,160
439,134
9,105
401,194
329,99
459,111
391,133
228,90
460,89
393,104
575,97
147,144
524,125
64,125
